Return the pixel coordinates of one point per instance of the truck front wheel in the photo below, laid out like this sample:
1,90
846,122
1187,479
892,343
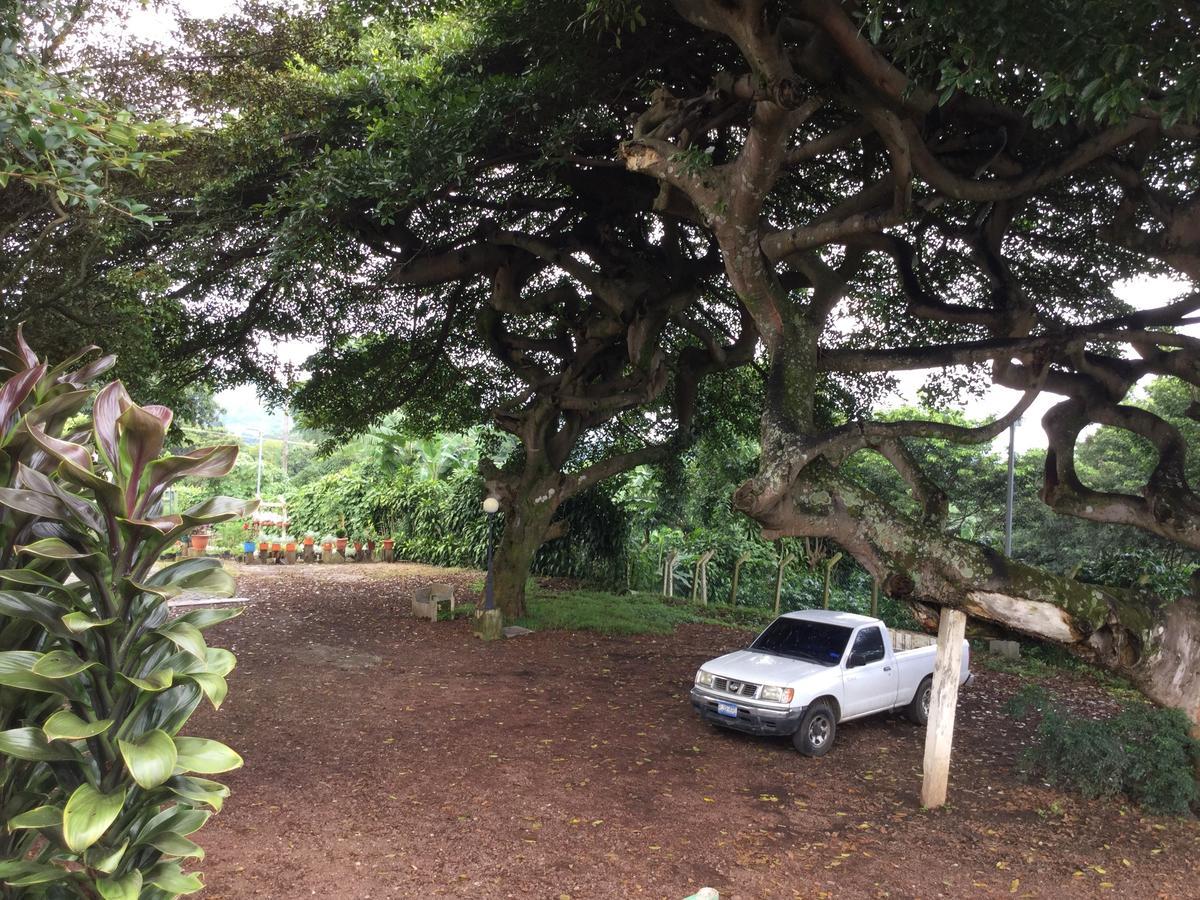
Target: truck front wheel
918,709
817,730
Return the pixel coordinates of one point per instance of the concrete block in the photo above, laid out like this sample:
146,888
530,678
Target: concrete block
1007,649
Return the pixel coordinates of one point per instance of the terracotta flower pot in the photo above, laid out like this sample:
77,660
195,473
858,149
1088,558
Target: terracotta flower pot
357,546
200,541
327,546
308,542
276,547
388,543
341,545
291,547
263,545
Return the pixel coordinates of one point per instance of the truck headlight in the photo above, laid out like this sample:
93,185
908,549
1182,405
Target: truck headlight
777,694
704,679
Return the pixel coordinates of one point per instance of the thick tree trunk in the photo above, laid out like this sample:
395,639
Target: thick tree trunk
529,500
1154,643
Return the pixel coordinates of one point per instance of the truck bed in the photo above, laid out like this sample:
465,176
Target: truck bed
911,640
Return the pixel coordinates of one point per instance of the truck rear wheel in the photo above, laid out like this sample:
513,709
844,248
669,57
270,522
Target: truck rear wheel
817,730
918,707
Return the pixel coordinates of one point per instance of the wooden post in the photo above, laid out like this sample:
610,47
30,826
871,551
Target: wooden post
783,561
833,561
696,578
737,569
702,569
939,733
875,598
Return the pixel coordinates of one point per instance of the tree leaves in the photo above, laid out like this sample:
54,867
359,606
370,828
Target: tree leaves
52,548
58,664
88,814
16,670
64,725
41,817
150,758
205,757
199,790
186,637
126,887
58,140
170,878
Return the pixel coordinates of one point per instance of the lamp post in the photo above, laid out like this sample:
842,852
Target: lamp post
491,506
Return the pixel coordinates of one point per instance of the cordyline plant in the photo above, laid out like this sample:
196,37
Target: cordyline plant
98,792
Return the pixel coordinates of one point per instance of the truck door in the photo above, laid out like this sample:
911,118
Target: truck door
871,678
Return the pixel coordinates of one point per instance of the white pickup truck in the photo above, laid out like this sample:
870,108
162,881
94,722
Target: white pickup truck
811,669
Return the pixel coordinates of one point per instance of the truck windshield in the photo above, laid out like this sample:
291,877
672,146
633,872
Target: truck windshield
801,639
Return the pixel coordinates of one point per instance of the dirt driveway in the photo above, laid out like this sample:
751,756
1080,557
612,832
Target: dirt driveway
387,757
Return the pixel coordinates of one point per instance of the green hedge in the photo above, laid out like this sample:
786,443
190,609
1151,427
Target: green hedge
440,521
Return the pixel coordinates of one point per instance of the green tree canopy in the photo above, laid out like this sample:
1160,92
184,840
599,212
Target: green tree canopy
866,187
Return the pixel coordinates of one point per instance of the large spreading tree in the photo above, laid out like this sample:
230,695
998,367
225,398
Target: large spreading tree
364,195
960,187
931,186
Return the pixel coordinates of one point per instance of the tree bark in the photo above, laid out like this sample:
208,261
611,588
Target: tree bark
824,58
1154,643
529,499
526,527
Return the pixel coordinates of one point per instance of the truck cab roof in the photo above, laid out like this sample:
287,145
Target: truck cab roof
832,617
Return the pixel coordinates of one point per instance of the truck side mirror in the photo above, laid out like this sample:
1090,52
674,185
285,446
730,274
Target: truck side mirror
856,659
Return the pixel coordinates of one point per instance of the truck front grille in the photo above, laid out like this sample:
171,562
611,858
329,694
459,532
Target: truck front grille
740,688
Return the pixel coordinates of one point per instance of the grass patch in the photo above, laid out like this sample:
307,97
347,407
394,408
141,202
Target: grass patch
606,613
753,618
640,613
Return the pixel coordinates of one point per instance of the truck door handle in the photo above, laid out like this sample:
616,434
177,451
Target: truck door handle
887,668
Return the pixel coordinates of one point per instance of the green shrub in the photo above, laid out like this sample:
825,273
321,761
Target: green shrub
1144,752
440,521
98,793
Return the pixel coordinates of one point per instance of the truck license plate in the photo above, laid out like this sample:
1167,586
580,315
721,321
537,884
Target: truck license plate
727,709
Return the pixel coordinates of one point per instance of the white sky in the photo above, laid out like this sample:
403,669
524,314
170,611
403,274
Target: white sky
1140,293
158,24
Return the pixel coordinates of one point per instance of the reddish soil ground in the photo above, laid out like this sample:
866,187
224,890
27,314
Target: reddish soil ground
387,757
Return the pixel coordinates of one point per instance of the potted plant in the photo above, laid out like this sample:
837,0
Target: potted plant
309,538
200,537
327,544
289,543
341,541
262,542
